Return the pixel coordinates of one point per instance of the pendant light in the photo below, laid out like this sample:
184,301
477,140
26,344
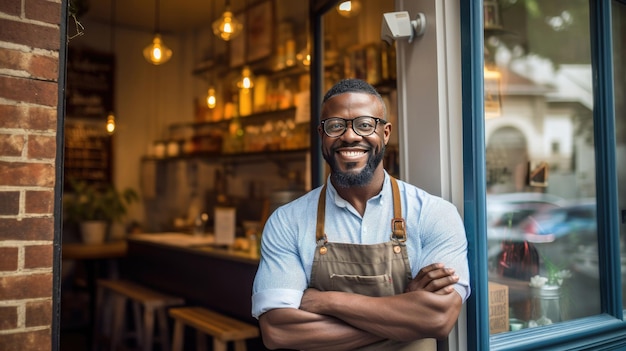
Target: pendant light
110,125
227,26
246,79
211,100
349,8
157,53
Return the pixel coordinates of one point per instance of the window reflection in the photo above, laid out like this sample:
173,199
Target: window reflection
619,48
540,164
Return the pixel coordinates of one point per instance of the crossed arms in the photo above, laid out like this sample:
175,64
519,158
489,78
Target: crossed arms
332,320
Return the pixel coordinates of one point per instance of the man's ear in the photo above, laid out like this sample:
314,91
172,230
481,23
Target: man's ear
387,132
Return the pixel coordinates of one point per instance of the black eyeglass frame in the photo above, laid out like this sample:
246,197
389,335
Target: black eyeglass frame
377,120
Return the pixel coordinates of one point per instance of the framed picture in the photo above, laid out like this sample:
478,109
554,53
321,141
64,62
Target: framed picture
238,44
259,30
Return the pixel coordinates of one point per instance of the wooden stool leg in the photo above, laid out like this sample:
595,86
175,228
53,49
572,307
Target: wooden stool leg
163,330
240,345
97,323
138,323
119,306
219,345
148,328
179,335
200,341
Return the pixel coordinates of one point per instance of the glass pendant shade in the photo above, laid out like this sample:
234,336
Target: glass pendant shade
349,8
157,53
227,27
211,100
110,126
246,79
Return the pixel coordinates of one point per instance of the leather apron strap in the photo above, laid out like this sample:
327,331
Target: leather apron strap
398,226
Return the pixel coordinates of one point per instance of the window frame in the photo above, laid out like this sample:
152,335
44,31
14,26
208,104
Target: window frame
603,331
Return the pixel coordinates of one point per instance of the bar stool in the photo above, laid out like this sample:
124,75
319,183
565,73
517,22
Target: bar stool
223,329
152,303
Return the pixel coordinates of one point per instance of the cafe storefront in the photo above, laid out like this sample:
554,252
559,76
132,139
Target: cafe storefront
512,109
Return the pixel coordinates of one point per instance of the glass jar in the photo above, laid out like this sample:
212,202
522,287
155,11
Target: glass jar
546,305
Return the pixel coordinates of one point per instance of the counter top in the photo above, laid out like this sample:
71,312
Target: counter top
81,251
197,244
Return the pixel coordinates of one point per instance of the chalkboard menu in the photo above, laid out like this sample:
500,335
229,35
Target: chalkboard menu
88,152
89,91
89,99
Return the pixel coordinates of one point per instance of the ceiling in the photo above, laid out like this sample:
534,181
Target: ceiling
175,15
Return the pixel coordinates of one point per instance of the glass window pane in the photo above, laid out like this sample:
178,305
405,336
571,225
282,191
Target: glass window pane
540,162
619,50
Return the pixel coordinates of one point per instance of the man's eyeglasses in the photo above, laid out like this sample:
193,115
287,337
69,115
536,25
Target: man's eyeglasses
363,126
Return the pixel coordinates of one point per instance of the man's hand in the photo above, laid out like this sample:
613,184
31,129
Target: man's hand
435,278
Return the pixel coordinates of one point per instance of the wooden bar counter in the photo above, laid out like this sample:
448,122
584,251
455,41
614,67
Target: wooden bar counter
190,267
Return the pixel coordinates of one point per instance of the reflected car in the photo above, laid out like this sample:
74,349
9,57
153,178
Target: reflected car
575,221
505,212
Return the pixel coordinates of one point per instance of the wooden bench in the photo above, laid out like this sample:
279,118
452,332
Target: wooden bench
223,329
152,303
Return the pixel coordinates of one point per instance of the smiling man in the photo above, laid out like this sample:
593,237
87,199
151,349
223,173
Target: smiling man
366,261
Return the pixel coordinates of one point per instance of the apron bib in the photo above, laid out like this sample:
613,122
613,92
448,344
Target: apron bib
373,270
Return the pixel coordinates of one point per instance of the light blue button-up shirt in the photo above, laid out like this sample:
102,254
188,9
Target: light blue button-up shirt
435,233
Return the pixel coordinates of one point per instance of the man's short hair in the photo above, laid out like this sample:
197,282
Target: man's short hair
353,85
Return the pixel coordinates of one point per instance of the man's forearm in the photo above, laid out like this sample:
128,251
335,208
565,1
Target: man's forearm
405,317
296,329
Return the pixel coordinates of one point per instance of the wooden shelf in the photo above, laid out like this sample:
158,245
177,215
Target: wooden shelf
235,158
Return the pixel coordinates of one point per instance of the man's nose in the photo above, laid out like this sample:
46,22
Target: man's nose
350,133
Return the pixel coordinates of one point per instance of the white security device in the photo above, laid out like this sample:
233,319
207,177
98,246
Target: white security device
398,25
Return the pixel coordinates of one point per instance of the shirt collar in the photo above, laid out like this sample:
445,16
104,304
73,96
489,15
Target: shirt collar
378,199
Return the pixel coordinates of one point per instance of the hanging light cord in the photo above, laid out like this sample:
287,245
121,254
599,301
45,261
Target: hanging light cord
112,24
157,14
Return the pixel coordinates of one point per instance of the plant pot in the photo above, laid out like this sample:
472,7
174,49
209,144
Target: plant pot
93,232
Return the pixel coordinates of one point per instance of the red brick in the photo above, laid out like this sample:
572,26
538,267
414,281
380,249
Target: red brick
43,10
11,8
39,202
38,314
9,203
26,174
8,317
37,66
38,256
23,287
41,146
26,229
8,260
13,59
11,145
29,90
28,117
39,340
44,67
43,37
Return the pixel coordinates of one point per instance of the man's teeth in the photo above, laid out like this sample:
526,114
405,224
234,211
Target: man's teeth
351,153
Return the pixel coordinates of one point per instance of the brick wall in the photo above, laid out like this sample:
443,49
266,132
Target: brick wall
29,67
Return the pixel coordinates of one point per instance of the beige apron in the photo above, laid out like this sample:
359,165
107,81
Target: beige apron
374,270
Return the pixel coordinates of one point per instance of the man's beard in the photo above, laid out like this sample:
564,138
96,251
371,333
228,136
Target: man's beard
350,179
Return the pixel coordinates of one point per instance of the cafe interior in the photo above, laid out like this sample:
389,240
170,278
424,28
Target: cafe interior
187,123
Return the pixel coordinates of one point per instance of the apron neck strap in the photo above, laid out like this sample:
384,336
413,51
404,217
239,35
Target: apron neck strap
398,227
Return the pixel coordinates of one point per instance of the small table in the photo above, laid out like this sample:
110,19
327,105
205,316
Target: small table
94,256
106,250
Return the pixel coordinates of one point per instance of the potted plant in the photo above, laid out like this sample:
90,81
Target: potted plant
94,207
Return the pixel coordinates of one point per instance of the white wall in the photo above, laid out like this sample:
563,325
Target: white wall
147,98
429,111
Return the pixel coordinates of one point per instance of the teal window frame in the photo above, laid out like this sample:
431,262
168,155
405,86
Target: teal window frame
606,331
